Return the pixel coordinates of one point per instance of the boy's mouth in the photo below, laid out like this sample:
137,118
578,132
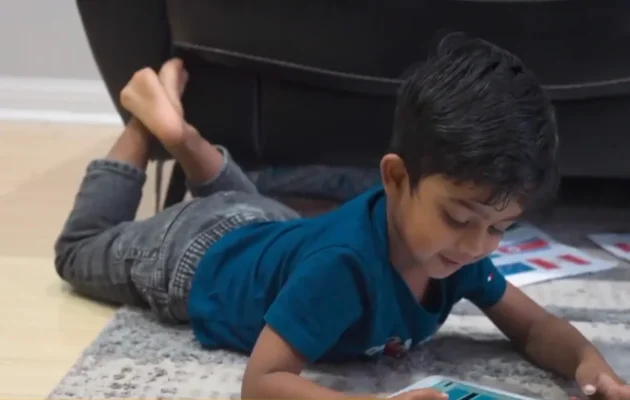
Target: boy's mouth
450,262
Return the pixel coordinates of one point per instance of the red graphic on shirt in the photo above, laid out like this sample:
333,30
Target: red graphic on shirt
625,247
395,347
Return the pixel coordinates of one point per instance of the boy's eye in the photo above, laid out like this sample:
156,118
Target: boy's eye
454,222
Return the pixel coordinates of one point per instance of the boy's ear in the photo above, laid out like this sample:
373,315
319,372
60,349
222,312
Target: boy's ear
393,174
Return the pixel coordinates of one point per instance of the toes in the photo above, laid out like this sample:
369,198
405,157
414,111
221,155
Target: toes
173,64
170,72
170,78
183,80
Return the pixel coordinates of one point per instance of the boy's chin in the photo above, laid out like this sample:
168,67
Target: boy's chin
442,272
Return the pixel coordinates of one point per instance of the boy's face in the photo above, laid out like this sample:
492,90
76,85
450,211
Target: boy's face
440,226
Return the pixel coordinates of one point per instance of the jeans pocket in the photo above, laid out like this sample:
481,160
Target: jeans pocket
147,272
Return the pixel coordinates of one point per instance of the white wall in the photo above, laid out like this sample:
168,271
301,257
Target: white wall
46,67
44,38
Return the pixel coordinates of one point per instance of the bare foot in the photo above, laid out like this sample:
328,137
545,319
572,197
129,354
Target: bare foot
174,78
146,98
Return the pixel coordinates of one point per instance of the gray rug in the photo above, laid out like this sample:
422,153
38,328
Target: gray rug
135,357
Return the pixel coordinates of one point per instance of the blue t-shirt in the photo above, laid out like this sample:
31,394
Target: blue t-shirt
325,285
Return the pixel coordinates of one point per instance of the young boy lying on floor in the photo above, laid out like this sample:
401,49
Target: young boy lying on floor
474,147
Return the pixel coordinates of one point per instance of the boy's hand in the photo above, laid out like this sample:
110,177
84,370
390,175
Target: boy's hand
422,394
596,384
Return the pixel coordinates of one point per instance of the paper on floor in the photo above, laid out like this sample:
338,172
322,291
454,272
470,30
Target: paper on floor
617,244
527,255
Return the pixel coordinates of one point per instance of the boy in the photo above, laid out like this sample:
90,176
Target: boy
474,147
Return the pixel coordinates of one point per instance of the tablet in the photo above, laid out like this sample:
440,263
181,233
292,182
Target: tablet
459,390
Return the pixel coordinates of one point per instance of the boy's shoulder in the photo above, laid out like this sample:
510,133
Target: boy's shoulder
353,234
471,275
475,269
358,224
480,282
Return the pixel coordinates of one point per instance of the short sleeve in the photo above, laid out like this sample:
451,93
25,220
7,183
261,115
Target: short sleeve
486,285
319,302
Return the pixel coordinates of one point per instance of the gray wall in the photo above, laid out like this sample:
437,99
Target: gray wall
44,38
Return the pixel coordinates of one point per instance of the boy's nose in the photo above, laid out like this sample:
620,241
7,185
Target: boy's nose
471,247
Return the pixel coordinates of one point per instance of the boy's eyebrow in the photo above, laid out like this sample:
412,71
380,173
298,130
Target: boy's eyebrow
473,206
470,205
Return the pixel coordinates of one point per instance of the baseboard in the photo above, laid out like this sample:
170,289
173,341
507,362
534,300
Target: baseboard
56,100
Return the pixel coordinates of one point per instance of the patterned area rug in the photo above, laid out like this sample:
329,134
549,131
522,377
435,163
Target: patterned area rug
135,357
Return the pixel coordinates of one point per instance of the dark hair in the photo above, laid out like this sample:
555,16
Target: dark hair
475,114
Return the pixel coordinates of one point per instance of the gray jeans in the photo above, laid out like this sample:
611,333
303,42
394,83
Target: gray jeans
107,255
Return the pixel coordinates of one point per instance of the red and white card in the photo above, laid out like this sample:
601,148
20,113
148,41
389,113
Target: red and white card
560,261
617,244
528,255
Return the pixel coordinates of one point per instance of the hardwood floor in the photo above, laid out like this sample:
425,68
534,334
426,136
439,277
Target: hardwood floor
44,325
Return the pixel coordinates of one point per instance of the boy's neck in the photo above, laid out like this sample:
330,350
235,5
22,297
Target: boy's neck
418,283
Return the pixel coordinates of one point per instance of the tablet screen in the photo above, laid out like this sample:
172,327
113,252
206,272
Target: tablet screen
461,391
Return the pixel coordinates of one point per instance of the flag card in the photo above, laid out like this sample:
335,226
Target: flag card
617,244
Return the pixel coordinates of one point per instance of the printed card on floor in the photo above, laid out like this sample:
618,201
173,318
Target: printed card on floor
523,239
617,244
524,232
558,261
527,246
528,255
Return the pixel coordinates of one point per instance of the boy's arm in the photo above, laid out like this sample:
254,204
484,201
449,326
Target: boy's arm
548,341
273,372
318,303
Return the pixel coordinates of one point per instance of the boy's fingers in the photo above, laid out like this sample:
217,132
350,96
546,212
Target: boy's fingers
624,392
611,389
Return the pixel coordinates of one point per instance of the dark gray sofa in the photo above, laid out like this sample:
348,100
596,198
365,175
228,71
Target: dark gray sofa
288,84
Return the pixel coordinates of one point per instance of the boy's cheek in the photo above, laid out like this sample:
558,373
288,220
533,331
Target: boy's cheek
492,245
428,243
